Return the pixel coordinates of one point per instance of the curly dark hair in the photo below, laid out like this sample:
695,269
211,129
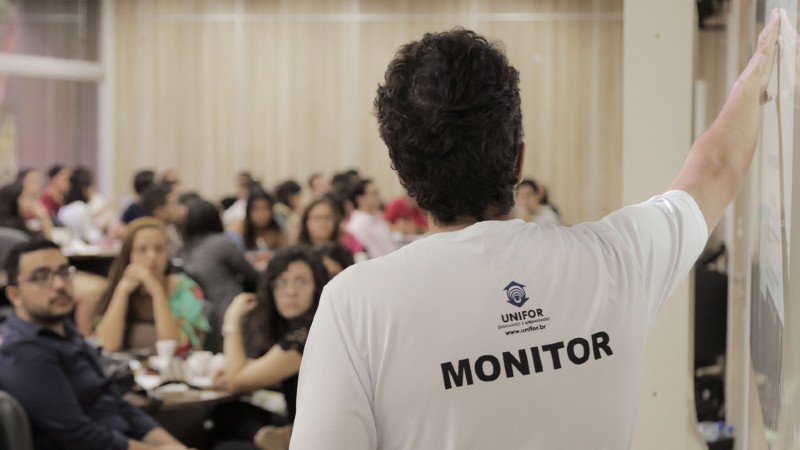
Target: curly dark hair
449,111
265,326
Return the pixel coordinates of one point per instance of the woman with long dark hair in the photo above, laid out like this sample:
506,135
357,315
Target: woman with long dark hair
282,312
259,234
320,224
144,302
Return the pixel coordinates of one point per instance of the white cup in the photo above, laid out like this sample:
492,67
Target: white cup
199,363
166,348
217,364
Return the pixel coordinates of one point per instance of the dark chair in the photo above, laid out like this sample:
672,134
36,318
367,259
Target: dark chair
15,431
9,237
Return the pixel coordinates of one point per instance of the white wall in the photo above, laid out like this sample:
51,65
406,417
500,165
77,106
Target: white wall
657,134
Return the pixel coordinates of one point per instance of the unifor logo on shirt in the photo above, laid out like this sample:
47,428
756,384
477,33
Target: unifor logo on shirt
520,320
516,294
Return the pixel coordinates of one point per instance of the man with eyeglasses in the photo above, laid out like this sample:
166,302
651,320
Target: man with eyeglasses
53,373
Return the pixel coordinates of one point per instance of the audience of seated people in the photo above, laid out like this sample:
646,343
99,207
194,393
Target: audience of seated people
145,301
57,186
48,367
280,316
212,259
146,298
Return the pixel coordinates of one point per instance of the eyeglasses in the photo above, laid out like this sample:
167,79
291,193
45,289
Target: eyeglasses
44,276
281,285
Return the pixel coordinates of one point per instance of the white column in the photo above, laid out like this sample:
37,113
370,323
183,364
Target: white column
657,135
105,98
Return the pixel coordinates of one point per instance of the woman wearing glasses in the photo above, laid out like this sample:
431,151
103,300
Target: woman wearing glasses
282,312
144,302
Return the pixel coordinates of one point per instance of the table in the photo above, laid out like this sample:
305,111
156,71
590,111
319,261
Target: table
184,413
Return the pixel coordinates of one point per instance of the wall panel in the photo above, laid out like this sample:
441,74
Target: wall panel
285,88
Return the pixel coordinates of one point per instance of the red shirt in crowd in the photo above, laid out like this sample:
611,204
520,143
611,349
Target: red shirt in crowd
399,209
50,204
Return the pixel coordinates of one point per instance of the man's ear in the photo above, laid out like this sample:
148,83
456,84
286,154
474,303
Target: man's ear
520,161
12,294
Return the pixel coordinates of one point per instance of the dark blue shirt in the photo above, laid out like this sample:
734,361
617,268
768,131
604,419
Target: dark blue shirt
132,212
60,384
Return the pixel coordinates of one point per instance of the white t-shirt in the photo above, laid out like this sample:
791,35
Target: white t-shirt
235,213
77,217
503,335
372,232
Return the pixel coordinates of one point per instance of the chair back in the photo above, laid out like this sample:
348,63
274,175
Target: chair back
9,237
15,431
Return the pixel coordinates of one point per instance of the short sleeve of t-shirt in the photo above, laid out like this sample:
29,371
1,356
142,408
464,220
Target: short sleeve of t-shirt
295,340
664,236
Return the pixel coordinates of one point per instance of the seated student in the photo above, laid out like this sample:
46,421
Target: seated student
144,302
235,212
75,213
213,260
282,311
21,211
31,181
46,365
288,195
366,222
259,233
321,223
532,204
161,201
57,186
141,181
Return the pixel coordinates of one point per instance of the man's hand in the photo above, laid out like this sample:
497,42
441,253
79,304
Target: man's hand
759,68
240,306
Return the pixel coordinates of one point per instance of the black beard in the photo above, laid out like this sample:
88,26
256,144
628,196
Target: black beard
49,320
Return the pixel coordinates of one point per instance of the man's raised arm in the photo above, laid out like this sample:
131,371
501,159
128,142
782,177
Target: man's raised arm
719,159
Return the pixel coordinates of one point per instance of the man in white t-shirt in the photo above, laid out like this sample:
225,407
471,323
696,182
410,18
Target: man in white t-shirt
494,333
366,222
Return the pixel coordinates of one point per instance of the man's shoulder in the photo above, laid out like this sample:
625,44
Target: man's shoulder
21,348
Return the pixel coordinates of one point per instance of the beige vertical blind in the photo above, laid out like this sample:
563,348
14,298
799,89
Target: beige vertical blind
285,88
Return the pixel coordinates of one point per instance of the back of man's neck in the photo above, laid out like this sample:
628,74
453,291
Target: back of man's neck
462,222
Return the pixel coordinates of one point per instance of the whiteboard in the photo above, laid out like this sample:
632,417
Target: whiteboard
773,322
